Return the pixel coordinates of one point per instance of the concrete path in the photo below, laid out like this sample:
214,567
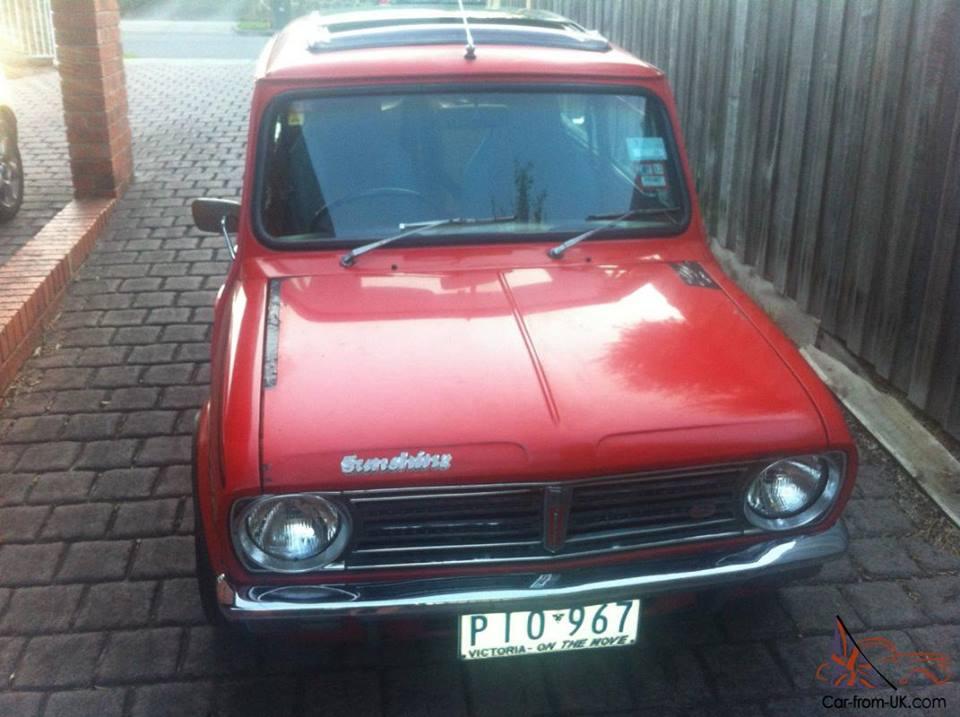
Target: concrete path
98,607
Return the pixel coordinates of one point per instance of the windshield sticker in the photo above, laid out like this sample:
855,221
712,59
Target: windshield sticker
645,149
652,181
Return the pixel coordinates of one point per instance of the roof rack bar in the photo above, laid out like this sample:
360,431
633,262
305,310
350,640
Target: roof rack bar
470,51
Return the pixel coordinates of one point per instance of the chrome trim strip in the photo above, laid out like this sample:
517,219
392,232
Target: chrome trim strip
575,587
434,546
271,340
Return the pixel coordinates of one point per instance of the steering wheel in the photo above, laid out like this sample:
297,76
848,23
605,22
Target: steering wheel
368,194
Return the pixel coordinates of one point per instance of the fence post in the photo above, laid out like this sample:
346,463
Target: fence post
94,96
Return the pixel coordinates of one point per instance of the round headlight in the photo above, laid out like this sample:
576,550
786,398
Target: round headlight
794,491
291,533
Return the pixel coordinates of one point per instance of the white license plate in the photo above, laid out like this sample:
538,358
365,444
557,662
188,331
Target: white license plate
529,632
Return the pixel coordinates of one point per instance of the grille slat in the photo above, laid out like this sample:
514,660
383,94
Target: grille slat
639,532
597,500
586,519
505,524
469,546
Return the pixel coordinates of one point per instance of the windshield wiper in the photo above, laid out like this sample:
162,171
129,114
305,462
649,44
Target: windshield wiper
558,251
409,229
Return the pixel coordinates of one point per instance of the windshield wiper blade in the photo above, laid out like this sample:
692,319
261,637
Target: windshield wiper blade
459,221
409,229
558,251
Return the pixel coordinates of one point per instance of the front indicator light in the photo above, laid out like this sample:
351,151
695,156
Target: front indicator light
793,492
291,534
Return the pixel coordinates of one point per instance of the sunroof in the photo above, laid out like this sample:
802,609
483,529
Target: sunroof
448,30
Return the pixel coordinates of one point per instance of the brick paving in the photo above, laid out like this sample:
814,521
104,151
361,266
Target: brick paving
43,146
98,609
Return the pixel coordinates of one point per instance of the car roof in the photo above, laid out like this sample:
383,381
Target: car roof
397,44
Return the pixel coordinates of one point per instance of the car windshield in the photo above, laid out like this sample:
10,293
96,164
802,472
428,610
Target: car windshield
354,168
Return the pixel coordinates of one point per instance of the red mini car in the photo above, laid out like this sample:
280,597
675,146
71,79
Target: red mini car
474,359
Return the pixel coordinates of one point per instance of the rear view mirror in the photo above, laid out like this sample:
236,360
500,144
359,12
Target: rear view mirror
208,214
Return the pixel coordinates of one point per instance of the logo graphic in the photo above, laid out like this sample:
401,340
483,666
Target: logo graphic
849,665
403,462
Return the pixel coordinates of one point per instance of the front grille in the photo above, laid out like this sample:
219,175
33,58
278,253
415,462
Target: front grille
506,523
456,526
642,511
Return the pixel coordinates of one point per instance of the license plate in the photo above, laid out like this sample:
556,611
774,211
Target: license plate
529,632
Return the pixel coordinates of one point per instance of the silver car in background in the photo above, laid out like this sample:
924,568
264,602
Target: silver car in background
11,167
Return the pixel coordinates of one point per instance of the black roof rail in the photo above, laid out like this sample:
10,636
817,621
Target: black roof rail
373,29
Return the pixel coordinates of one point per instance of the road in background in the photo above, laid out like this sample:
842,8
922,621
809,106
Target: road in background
175,39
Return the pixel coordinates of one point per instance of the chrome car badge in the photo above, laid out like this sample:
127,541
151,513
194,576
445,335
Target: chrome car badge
402,463
556,517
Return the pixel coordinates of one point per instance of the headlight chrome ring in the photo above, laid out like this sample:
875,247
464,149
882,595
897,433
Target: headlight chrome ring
295,533
796,491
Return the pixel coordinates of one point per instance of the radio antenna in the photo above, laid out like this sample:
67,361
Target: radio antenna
470,51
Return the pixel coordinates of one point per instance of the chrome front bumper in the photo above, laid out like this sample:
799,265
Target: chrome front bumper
517,591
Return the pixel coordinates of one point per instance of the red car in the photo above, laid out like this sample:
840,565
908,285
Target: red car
474,360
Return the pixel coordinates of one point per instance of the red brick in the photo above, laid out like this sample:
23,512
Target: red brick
30,297
70,6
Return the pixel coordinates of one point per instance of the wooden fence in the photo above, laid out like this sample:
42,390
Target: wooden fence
825,140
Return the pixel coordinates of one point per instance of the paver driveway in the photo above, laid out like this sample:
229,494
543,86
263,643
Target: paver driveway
98,610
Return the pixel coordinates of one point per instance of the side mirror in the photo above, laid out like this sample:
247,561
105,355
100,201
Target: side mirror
209,213
218,216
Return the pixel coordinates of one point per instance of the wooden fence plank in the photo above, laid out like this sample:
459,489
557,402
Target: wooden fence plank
935,176
936,226
915,152
749,123
819,133
792,142
734,73
673,66
933,340
762,184
886,82
843,171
